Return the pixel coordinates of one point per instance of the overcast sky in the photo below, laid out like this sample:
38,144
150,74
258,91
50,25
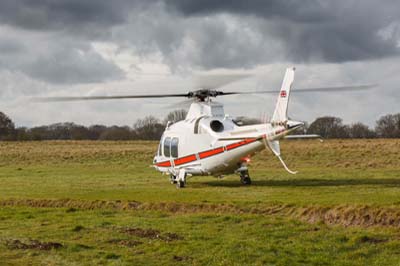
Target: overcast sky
103,47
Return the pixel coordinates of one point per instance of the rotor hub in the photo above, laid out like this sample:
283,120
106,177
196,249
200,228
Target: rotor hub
204,94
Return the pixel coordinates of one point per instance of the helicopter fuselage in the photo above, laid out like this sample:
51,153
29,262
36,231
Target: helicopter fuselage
208,142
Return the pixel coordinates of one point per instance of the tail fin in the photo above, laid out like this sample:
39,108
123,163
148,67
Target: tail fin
280,113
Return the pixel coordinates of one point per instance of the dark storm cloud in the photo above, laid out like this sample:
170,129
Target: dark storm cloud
61,14
297,11
50,40
192,34
313,30
53,58
72,66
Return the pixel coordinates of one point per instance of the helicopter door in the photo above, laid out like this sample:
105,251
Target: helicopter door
170,148
174,147
167,147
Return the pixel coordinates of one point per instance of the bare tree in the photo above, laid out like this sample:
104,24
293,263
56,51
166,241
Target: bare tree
22,134
388,126
328,127
148,128
360,131
79,132
117,133
7,127
95,131
175,116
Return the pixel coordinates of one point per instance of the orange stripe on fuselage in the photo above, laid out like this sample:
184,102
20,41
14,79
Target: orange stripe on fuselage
209,153
164,164
239,144
186,159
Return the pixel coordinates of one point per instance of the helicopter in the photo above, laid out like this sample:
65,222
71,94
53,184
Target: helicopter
209,142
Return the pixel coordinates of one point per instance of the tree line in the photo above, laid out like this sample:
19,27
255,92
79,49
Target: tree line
151,128
387,126
148,128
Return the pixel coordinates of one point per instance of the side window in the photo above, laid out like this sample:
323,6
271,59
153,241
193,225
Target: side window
167,147
174,147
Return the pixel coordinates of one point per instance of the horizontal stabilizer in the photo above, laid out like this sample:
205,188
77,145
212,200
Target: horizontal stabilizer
310,136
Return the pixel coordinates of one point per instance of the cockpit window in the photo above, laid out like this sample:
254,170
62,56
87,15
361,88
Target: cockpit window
174,147
167,147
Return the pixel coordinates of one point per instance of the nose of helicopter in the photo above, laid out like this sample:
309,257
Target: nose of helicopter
291,124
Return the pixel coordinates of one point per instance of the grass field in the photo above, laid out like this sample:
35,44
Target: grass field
100,203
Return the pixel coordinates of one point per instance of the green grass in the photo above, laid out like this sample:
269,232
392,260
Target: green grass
220,221
206,240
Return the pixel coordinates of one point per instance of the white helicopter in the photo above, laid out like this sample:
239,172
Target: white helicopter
208,142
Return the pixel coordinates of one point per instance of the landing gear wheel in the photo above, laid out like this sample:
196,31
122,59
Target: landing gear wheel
180,184
245,178
173,179
181,180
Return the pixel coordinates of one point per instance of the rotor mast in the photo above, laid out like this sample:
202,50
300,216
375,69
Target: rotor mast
205,109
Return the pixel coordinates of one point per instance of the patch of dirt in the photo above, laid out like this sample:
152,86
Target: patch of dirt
78,228
364,216
32,244
171,237
181,258
143,233
82,246
372,240
345,215
112,256
125,242
313,229
71,210
152,234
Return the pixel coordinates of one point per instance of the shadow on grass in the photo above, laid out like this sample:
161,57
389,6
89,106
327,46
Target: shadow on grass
392,182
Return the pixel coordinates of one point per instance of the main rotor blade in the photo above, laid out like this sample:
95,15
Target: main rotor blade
90,98
303,90
198,94
341,88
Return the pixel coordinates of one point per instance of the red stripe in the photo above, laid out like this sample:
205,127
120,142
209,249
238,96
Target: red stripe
164,164
209,153
238,144
186,159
